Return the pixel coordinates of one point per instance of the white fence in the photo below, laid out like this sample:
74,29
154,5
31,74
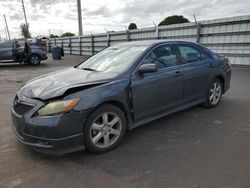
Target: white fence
227,36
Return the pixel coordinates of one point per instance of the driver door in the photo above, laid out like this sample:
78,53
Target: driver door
19,50
161,91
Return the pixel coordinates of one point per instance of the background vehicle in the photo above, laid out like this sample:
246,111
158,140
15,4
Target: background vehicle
119,88
21,51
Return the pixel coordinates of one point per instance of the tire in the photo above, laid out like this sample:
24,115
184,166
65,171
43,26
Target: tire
214,94
34,59
104,129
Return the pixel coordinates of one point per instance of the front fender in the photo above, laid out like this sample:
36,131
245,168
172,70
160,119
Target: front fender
112,91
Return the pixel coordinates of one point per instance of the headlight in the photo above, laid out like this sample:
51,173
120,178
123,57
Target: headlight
57,107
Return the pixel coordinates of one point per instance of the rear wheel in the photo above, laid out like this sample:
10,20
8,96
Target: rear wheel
214,94
104,129
34,59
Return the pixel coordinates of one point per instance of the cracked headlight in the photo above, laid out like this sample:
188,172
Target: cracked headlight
57,107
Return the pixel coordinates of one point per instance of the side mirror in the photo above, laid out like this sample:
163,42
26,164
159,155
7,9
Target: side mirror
147,68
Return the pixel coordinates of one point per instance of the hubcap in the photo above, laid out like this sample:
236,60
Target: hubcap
34,60
105,130
215,93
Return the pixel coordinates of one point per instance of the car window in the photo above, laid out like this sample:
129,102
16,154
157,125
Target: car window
6,45
191,54
163,56
20,44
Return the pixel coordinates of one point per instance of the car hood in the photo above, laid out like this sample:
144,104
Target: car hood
55,84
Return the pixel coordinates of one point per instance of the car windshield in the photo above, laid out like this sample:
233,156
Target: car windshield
114,59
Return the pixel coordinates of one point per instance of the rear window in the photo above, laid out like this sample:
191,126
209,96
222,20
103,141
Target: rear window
191,54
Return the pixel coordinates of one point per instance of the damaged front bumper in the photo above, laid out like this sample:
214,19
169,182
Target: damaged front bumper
57,134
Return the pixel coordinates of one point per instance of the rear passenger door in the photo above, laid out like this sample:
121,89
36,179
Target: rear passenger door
6,51
197,69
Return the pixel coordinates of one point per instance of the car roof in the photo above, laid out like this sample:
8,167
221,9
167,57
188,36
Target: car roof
6,41
11,41
150,42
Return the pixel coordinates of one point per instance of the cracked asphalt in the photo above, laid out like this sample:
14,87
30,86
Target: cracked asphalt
196,148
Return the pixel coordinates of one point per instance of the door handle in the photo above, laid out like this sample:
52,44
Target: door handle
211,65
177,74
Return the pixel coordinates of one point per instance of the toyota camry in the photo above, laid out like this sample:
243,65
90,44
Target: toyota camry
93,104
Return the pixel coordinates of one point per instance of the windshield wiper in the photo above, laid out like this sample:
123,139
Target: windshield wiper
89,69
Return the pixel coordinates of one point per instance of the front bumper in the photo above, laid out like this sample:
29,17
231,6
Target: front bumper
58,134
44,56
228,74
52,146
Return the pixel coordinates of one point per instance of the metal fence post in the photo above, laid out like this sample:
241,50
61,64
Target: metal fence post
108,39
49,46
62,42
128,35
198,33
157,32
92,45
80,44
70,49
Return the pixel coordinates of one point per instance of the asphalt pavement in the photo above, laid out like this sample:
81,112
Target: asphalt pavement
195,148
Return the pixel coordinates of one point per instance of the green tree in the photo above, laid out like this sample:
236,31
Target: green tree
175,19
68,34
132,26
53,36
25,31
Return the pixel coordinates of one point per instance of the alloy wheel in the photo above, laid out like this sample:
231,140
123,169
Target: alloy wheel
105,130
34,60
215,93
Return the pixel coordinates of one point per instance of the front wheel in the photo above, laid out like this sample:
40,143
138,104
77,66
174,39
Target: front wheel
104,129
34,59
214,94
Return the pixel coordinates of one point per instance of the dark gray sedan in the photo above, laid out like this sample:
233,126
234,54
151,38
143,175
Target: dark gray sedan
124,86
21,51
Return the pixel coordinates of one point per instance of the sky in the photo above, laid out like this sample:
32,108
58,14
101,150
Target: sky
59,16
